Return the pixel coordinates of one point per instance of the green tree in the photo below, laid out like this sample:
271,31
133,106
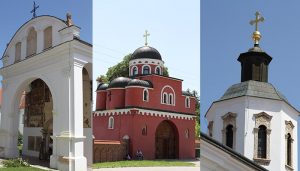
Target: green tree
121,70
197,124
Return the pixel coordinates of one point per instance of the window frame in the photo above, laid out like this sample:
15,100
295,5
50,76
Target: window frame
111,122
143,69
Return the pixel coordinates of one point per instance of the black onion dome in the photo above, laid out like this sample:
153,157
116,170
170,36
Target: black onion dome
120,82
142,83
146,52
102,86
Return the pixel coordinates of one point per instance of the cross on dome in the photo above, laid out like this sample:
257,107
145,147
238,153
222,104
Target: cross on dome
33,11
146,36
256,34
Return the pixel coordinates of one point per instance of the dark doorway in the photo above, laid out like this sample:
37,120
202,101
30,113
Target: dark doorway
166,141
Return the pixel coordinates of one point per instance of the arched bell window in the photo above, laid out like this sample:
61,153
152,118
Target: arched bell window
145,95
289,150
229,136
187,102
48,37
171,99
18,51
146,69
134,71
262,142
111,123
157,70
31,42
165,98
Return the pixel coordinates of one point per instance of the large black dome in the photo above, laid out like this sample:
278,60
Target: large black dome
146,52
142,83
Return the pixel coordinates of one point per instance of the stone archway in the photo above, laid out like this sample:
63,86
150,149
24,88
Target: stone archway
38,119
166,141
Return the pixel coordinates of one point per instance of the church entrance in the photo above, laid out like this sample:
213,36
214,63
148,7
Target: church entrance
36,123
166,141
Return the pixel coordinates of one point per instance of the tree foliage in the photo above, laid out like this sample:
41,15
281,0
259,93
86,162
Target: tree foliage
197,124
121,69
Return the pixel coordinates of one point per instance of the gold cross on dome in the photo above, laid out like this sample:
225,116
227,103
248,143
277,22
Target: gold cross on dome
146,36
258,18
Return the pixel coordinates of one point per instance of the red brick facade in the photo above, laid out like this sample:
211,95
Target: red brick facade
149,109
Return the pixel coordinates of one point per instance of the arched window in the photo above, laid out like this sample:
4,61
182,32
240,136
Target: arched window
187,133
146,69
262,142
171,99
144,130
48,37
157,70
18,52
229,136
145,95
111,122
289,150
165,98
187,102
134,71
31,42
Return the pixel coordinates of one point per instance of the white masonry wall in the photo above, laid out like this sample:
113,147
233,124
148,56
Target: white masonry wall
245,108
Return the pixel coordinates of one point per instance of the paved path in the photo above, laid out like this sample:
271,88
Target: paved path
150,169
178,168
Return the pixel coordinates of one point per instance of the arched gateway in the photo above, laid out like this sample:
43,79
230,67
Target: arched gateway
54,68
166,141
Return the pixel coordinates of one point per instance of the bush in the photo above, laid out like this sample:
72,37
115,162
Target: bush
18,162
20,138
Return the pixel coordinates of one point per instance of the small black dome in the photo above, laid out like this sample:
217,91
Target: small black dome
120,82
102,86
186,93
143,83
146,52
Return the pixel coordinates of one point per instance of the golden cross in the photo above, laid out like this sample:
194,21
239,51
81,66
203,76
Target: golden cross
258,18
146,36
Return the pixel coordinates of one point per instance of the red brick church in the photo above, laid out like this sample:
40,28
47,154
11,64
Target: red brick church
147,111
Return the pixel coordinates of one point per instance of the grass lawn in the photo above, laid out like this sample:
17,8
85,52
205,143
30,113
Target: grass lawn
142,163
20,168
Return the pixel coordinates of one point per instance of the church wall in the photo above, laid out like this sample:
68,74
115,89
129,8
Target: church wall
32,137
132,125
115,98
219,109
155,95
39,24
134,97
122,124
101,100
280,112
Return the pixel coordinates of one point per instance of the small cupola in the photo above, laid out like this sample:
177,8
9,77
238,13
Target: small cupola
145,60
255,62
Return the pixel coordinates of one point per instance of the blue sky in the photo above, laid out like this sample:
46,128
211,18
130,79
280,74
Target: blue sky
14,13
226,32
174,27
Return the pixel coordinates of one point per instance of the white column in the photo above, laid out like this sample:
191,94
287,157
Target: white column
8,126
77,147
23,47
40,40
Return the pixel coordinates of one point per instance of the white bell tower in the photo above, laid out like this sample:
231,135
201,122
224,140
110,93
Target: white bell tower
255,119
